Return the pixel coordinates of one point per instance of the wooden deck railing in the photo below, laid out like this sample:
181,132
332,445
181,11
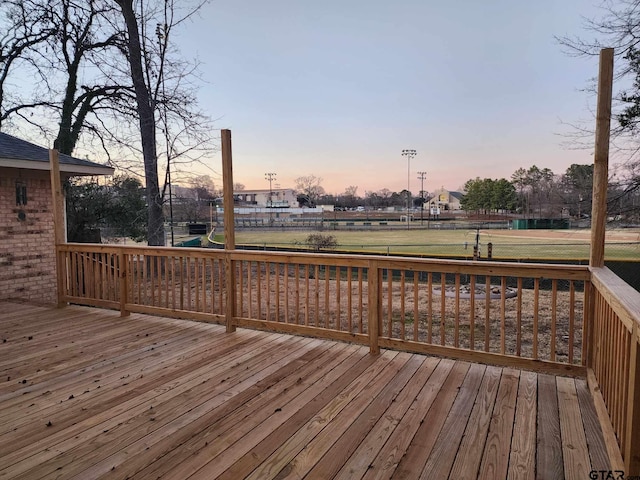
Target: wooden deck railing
553,318
615,359
532,314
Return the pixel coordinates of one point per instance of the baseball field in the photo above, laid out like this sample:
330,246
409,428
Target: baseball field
621,244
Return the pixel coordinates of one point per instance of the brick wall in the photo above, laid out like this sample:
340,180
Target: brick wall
27,255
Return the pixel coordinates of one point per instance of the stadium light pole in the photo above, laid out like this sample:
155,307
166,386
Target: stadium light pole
409,154
421,177
271,176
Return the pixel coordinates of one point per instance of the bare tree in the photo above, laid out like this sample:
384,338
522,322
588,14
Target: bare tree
147,120
619,27
310,186
150,91
26,27
80,42
350,196
351,191
63,40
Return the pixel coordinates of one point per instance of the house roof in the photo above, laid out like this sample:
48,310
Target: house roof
18,153
457,195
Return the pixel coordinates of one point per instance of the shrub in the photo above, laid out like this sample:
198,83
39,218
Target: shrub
318,241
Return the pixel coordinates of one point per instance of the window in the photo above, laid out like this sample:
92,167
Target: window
21,193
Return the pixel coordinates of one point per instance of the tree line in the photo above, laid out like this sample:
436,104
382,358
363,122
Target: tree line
119,206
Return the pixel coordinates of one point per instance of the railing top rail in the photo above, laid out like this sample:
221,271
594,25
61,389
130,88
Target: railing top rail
533,270
623,299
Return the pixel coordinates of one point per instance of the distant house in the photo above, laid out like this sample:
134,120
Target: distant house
446,200
27,254
276,198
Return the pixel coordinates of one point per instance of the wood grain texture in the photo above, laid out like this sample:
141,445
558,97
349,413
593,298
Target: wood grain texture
522,460
575,452
444,451
549,462
495,459
469,454
85,393
593,432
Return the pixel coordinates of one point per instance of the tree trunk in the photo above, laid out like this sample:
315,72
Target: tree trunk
155,234
64,141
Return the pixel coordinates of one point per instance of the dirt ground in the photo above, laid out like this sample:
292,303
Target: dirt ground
415,311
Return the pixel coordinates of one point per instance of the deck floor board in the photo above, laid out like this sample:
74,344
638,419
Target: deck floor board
85,393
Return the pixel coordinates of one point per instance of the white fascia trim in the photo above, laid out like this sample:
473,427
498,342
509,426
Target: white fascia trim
64,167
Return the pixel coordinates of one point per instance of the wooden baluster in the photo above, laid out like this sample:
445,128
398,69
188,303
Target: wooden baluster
327,275
360,300
403,313
588,326
389,303
152,278
443,307
487,313
503,315
316,319
338,308
536,306
307,295
250,288
182,261
631,452
554,318
373,304
297,308
519,318
189,285
196,283
259,288
572,307
286,292
123,281
276,267
456,333
472,313
349,300
267,288
429,307
416,310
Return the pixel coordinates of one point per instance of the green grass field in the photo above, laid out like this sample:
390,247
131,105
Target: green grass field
520,244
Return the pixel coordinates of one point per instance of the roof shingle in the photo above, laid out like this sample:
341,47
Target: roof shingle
17,149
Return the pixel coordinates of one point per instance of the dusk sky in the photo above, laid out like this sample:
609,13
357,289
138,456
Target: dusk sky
339,88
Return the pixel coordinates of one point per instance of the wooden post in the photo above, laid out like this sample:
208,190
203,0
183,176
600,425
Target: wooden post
229,229
601,159
58,222
632,442
373,304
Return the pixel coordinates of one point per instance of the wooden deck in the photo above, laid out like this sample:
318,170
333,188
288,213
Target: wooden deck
85,394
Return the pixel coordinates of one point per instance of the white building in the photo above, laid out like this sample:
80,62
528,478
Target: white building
276,198
445,200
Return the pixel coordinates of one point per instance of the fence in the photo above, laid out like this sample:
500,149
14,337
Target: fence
487,311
